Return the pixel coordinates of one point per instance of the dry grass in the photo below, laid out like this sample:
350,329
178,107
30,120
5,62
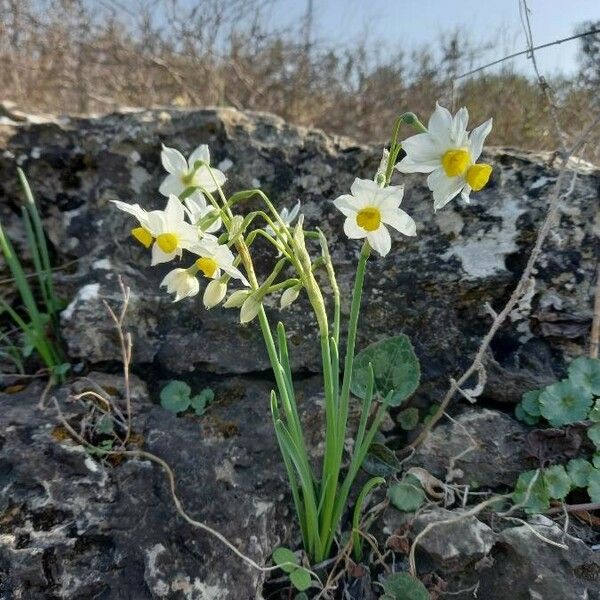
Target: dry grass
74,56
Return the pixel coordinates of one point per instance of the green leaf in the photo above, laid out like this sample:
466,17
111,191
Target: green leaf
531,402
281,556
402,586
396,368
563,403
201,401
595,412
380,460
585,372
579,471
594,485
175,396
538,500
409,418
557,482
105,425
300,579
594,434
408,495
524,416
596,460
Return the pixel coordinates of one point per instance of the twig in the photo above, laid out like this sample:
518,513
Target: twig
595,334
570,508
555,199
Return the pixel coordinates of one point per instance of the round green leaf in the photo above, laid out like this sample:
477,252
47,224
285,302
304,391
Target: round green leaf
579,471
408,495
557,482
524,416
408,418
585,372
175,396
563,403
283,556
395,366
531,403
201,401
402,586
594,434
594,485
536,499
300,579
595,412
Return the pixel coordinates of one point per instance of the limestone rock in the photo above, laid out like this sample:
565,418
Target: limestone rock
433,287
495,444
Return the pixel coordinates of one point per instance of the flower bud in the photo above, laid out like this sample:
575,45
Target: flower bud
289,296
249,309
236,227
236,299
214,293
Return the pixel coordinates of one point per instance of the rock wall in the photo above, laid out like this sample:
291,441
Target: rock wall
433,287
72,527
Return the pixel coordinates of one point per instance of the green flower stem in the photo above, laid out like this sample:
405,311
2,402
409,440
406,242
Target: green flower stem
334,451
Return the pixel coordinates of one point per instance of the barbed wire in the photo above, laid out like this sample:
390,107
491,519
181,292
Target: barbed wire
527,51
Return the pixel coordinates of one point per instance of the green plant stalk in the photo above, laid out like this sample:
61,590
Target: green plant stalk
356,539
46,278
334,453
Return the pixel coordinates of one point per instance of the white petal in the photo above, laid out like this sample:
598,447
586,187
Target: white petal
400,221
352,229
174,212
236,274
422,149
159,257
477,139
133,209
170,277
459,127
407,165
348,205
171,185
364,188
380,240
440,125
200,153
466,193
172,160
389,198
209,179
444,188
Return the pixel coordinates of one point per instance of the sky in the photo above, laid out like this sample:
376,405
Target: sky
415,23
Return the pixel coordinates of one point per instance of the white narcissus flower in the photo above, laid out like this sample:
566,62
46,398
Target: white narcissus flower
215,259
168,229
449,154
181,283
369,208
183,173
198,209
214,293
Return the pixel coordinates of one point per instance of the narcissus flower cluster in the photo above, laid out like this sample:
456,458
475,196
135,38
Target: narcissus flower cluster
212,243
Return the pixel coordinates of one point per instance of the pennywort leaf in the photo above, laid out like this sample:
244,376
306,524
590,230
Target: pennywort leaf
175,396
585,372
563,403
